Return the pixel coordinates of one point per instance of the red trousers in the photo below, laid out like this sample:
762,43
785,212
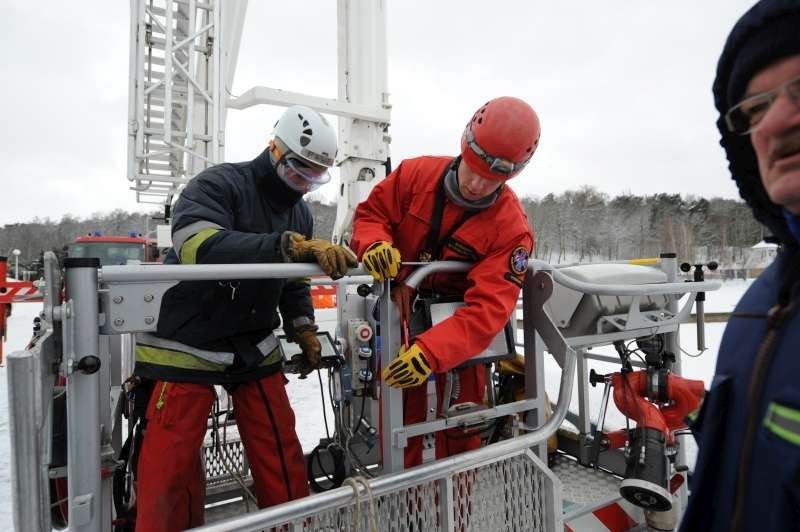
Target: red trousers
171,487
451,441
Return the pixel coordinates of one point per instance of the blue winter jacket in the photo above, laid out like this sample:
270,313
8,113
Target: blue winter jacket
772,497
229,214
747,475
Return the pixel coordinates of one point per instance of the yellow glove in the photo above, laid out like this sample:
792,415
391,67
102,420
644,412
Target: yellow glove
410,368
382,260
334,260
309,359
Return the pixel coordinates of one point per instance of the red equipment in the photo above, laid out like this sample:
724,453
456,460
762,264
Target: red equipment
658,401
12,292
634,399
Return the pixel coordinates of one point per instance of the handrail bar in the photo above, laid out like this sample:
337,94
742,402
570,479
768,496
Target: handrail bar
137,273
597,289
581,286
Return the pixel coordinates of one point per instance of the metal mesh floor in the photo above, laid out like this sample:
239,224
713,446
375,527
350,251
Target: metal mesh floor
583,485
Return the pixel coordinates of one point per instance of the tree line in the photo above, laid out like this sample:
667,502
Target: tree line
585,225
576,225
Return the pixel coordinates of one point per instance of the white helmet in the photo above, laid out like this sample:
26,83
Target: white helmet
311,142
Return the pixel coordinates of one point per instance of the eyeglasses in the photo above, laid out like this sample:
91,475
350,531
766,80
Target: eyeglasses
498,165
745,117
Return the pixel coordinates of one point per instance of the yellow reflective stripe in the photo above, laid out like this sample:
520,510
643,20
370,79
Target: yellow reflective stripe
178,359
273,357
301,280
644,262
190,247
783,422
785,411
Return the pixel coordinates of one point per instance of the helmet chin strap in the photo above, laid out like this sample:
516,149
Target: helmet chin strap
455,196
275,153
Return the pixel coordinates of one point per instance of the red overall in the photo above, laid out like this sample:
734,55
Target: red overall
171,488
497,239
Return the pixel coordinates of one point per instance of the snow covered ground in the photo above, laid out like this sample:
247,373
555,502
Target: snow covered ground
307,402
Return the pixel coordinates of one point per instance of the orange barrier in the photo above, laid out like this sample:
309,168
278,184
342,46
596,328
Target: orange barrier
3,308
12,292
323,296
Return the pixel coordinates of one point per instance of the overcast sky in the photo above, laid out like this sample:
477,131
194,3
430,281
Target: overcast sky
622,88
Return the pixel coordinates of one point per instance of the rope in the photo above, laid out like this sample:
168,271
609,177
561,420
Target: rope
355,482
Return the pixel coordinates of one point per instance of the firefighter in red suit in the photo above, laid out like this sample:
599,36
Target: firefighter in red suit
445,208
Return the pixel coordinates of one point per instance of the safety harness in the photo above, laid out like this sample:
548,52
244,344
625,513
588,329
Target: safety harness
433,243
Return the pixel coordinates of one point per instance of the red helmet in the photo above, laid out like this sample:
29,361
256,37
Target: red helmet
500,139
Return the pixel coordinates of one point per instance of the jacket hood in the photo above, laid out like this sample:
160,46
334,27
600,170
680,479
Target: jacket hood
751,46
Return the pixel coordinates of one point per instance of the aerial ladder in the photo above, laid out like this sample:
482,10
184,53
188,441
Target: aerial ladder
182,58
182,63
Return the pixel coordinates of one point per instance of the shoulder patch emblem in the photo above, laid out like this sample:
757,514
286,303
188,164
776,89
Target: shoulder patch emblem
519,260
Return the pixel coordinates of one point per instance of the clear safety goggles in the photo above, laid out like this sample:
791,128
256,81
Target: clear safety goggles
300,175
746,116
497,165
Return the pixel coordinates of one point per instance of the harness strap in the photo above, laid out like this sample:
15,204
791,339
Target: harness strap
434,244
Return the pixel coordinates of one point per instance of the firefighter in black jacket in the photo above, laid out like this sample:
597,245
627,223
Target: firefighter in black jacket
221,332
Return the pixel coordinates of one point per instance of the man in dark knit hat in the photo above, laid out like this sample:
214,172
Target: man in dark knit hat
747,475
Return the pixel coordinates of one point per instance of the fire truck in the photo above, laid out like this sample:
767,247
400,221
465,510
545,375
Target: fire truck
114,250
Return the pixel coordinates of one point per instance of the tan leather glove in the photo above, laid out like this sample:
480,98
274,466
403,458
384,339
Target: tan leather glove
335,260
382,260
410,368
310,358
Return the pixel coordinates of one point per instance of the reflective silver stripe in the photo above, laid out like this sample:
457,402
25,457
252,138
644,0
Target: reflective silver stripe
302,320
183,234
265,346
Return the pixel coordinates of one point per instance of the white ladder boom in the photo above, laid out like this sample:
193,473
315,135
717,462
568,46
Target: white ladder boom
176,102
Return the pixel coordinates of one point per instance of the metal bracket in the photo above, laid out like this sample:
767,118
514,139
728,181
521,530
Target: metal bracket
539,288
400,438
80,510
132,307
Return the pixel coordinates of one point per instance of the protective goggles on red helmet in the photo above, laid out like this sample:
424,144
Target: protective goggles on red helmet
498,165
300,175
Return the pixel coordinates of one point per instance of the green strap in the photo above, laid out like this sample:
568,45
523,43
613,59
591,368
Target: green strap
784,422
190,247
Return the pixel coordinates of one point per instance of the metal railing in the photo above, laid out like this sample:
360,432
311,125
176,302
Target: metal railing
504,486
447,494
